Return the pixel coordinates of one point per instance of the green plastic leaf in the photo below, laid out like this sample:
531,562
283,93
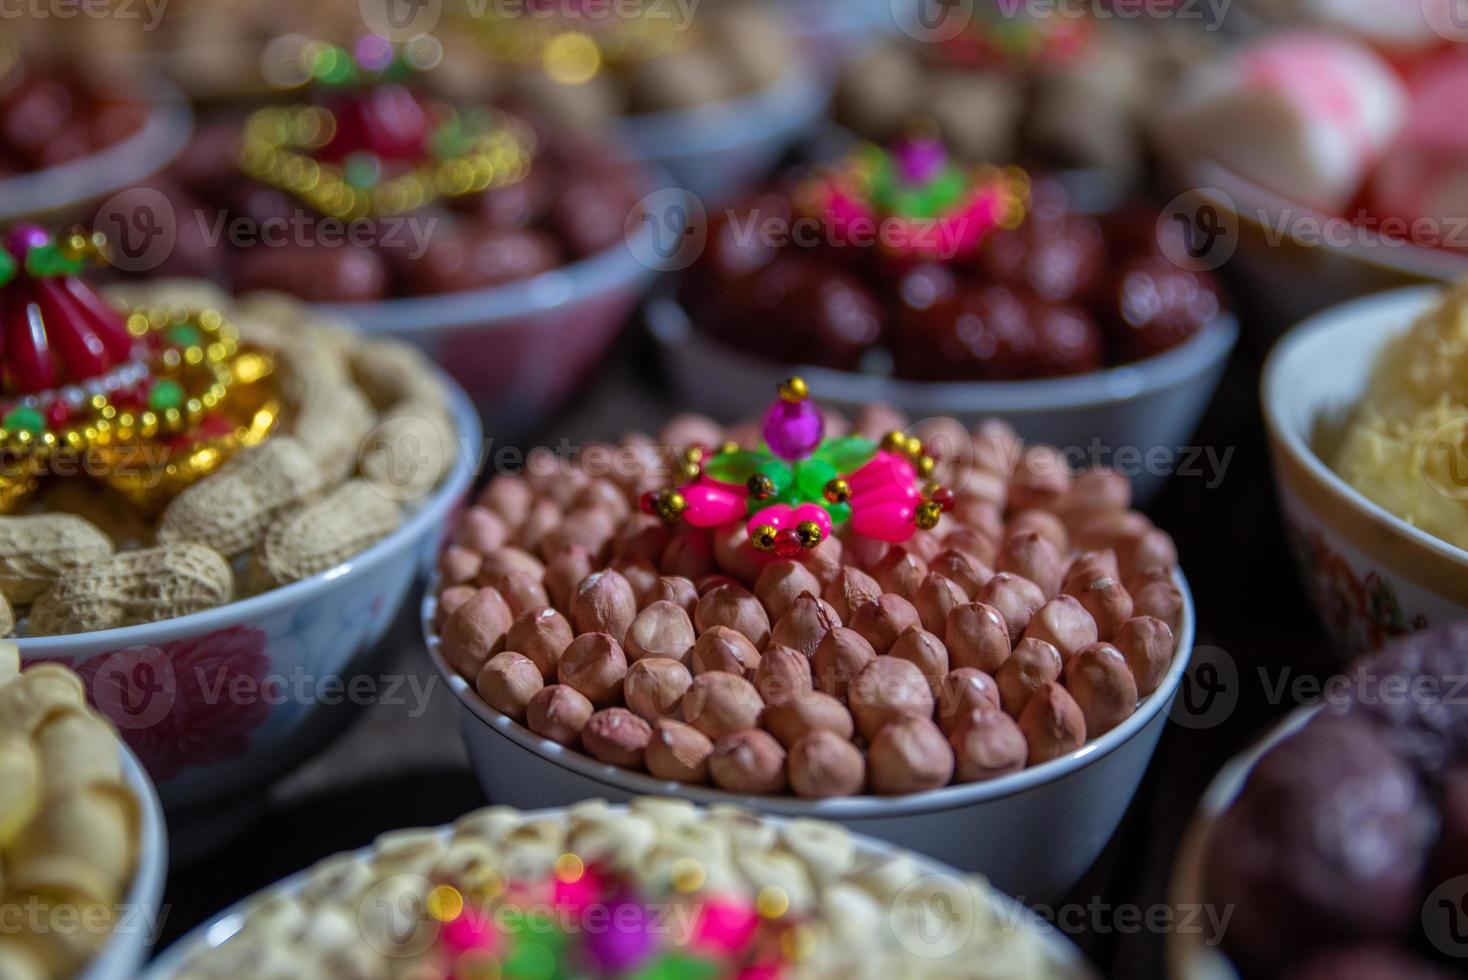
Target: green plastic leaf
676,966
779,475
8,267
812,475
847,454
736,467
840,513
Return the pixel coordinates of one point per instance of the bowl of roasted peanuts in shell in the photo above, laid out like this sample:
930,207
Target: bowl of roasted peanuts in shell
799,617
81,830
213,507
660,888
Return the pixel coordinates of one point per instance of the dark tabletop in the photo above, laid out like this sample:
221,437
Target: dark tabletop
394,766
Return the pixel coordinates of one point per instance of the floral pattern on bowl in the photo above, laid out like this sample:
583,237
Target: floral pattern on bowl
1361,611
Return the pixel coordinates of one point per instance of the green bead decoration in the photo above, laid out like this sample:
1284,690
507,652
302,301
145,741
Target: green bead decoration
812,475
8,267
362,170
779,475
674,966
184,335
24,419
165,395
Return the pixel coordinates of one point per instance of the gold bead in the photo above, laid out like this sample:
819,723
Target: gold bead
671,504
694,454
760,487
794,390
810,533
925,466
690,471
729,447
763,537
895,441
837,491
914,447
928,515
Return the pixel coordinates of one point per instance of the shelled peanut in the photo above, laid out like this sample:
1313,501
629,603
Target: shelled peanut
69,824
325,485
1036,616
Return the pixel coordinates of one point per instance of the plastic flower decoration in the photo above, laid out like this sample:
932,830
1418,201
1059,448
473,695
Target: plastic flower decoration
915,200
584,921
1009,37
798,485
86,387
368,145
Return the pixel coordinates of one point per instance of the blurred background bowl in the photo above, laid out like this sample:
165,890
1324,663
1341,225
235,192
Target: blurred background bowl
1284,274
124,953
721,150
1194,954
230,697
1032,833
1065,961
1152,403
49,193
521,349
1369,574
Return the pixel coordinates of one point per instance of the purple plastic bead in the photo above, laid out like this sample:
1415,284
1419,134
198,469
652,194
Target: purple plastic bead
22,238
625,942
920,160
793,430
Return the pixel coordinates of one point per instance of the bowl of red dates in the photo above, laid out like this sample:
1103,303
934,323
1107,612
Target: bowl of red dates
506,250
900,277
70,135
1336,846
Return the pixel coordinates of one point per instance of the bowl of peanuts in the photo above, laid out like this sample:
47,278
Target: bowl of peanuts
212,622
660,887
1011,665
86,849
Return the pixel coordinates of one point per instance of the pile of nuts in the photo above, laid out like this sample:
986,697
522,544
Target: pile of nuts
831,904
69,824
320,489
1034,616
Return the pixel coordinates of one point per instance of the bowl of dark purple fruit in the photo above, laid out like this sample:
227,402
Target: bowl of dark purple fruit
899,276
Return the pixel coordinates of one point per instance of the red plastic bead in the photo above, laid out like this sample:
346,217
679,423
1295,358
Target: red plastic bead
647,503
944,497
58,414
787,543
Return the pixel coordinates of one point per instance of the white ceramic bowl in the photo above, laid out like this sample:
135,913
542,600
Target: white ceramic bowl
164,134
1370,575
1290,270
221,701
721,150
1032,833
522,348
1149,404
136,930
1065,960
1194,954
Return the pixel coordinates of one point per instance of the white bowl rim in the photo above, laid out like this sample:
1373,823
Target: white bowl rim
220,928
671,326
499,307
162,137
798,92
1387,252
951,797
146,889
1411,301
255,608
